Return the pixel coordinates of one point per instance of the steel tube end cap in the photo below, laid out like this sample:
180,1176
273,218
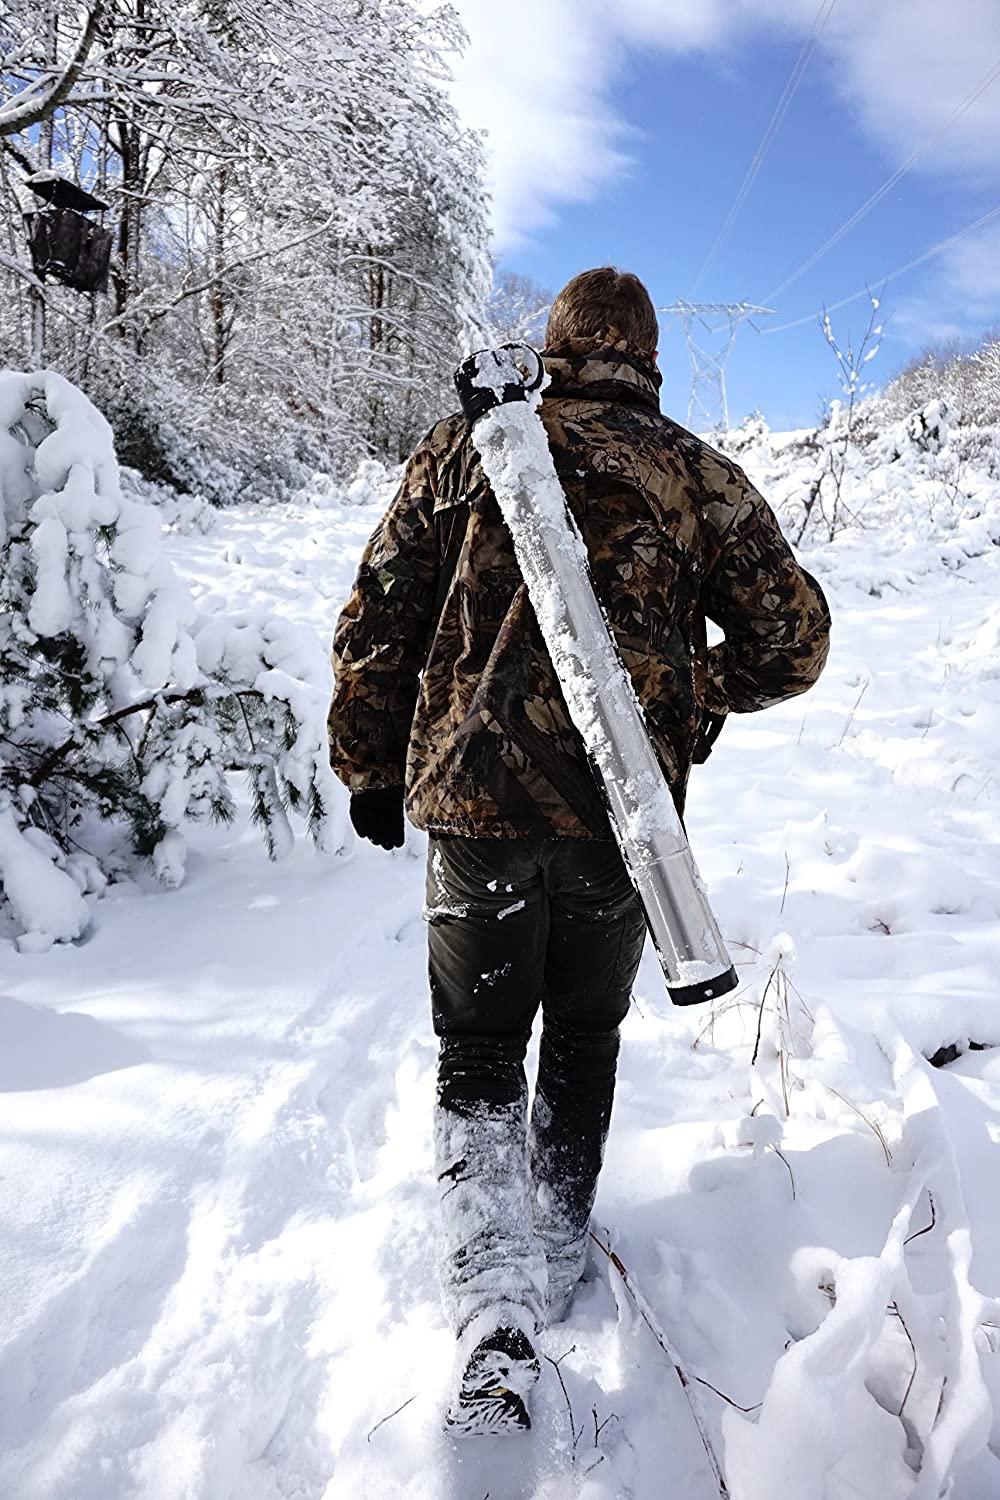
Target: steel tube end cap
493,377
705,989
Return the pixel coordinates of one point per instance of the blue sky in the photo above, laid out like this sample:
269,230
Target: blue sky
640,120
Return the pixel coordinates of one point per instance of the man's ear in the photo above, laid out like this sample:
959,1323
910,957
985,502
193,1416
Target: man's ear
656,356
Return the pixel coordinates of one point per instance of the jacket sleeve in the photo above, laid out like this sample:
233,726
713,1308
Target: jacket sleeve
773,613
381,640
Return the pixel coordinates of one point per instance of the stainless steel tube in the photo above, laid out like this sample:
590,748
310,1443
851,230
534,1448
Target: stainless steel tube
500,392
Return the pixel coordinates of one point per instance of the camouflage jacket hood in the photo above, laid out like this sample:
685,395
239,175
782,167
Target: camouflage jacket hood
442,680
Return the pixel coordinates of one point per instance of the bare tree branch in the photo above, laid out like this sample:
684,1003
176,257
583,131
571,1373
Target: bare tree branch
24,112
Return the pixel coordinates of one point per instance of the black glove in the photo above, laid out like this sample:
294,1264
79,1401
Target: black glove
377,816
709,729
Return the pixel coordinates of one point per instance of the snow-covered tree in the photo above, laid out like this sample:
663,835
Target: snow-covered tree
299,226
517,309
968,379
122,709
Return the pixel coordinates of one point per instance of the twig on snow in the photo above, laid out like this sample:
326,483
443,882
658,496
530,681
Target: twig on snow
913,1350
396,1414
746,1410
782,1157
646,1313
789,985
850,716
988,1329
927,1227
600,1426
782,1070
555,1363
760,1012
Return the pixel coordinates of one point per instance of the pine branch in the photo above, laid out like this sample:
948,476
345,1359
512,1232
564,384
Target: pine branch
194,697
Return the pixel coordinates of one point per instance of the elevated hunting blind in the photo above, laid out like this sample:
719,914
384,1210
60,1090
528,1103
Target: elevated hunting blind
66,245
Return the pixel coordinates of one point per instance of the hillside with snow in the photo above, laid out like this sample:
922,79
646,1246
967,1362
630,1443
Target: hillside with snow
217,1275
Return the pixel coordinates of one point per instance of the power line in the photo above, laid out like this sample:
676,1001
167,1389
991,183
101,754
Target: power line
781,109
888,185
893,275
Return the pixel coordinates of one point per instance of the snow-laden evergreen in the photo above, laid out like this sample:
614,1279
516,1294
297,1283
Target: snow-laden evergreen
122,706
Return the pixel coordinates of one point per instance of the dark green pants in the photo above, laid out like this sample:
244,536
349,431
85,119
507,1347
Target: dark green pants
517,925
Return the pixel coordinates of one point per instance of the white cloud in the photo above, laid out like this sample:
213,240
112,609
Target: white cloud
539,73
959,299
972,268
535,78
917,323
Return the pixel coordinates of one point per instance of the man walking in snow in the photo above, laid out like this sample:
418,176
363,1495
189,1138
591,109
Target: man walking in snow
446,699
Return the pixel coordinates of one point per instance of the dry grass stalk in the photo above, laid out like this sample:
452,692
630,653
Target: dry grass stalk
850,716
913,1350
784,894
873,1126
788,1167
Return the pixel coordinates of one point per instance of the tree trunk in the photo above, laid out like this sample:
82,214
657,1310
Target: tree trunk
217,296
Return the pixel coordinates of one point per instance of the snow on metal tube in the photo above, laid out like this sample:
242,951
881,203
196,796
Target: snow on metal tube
500,390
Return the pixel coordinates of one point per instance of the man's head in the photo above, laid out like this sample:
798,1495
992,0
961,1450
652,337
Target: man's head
606,305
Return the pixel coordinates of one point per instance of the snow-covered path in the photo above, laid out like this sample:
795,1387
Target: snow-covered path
216,1267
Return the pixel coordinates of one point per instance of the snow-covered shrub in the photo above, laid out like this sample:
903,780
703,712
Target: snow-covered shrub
977,447
369,483
922,434
321,491
930,427
220,448
153,438
750,442
121,708
181,513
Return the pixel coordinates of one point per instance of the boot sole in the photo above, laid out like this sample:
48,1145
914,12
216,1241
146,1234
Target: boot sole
496,1413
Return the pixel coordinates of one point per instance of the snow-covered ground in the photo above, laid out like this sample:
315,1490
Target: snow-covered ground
217,1258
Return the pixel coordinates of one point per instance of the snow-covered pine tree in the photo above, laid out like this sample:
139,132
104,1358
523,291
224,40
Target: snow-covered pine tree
121,708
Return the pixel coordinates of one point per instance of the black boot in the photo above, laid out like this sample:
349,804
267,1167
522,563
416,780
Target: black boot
494,1381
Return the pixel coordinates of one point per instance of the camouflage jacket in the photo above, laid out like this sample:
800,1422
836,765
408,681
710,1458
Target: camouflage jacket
442,680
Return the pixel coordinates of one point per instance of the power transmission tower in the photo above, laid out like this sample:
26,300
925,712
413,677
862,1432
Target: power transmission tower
710,330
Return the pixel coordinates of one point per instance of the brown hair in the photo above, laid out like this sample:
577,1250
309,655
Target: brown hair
605,304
